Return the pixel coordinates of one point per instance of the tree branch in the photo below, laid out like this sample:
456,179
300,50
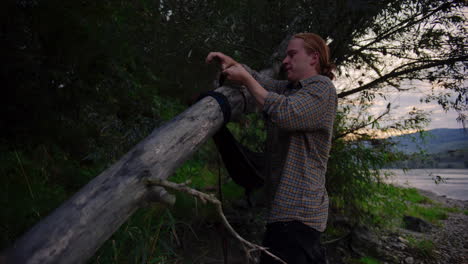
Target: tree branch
394,74
401,26
210,198
241,46
352,130
377,71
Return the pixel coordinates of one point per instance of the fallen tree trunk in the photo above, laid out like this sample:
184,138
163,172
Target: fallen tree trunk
74,231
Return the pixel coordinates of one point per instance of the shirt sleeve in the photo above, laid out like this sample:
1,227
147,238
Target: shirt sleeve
266,82
307,109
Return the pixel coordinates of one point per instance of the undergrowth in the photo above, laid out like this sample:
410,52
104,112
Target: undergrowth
423,247
389,204
38,179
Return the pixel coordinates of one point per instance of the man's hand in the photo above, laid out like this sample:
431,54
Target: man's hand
224,60
231,68
234,71
237,73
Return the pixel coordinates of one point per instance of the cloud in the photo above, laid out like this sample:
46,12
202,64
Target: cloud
403,102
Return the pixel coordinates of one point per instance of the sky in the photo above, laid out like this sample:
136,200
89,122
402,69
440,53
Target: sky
403,102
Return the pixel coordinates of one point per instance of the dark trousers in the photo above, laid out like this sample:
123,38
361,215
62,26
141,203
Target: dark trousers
293,242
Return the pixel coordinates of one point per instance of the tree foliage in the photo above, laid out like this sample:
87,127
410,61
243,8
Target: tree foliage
86,80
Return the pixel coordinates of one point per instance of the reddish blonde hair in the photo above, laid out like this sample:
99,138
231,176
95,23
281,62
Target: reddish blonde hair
314,43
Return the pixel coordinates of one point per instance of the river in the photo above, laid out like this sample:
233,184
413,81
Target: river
454,181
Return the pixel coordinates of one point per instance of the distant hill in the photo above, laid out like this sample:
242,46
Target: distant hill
446,148
435,141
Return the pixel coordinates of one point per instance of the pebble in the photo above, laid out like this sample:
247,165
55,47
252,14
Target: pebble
402,240
400,245
409,260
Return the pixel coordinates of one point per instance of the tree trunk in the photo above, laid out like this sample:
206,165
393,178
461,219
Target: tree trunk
74,231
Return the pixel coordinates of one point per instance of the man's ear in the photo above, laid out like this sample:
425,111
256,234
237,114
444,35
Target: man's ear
314,58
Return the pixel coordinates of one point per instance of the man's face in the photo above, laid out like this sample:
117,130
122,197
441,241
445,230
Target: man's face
299,65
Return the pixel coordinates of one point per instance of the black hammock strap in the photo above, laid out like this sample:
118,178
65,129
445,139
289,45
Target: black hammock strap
244,166
222,101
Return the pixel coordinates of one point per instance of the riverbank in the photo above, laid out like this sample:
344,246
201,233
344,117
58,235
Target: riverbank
451,239
452,183
446,241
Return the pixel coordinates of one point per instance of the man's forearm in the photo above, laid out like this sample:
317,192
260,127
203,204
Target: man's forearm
267,82
257,91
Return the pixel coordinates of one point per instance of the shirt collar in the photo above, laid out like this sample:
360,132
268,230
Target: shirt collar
305,82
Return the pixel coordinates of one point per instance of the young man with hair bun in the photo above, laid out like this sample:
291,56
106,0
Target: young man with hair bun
299,117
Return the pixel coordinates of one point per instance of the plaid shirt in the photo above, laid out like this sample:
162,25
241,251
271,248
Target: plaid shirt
299,131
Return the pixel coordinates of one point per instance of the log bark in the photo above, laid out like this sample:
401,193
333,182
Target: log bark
74,231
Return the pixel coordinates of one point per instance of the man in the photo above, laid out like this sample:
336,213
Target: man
300,114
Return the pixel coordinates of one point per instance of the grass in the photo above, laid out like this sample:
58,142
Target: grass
369,260
422,247
412,195
34,184
386,208
36,180
30,189
156,234
148,236
430,214
390,203
335,231
452,210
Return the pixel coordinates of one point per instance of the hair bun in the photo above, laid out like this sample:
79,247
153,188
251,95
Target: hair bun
327,70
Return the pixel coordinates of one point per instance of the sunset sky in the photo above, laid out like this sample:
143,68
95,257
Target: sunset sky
403,102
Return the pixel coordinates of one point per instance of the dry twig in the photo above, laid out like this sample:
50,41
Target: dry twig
250,247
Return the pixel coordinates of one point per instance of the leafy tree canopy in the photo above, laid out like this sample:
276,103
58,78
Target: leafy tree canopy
87,74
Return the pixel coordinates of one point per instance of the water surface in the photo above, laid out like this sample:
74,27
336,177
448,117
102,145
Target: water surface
454,181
